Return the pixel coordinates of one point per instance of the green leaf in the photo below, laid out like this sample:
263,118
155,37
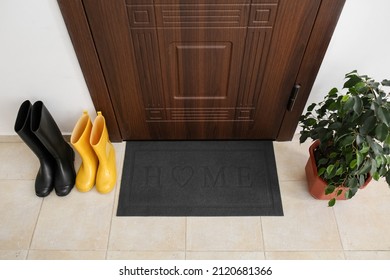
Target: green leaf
321,171
361,180
351,192
365,168
376,176
352,81
304,136
339,171
386,83
358,105
348,140
359,139
387,140
332,202
374,106
310,122
335,126
388,178
381,132
384,115
361,87
349,104
368,125
359,158
373,166
352,183
322,161
311,107
352,73
380,160
329,169
333,106
364,149
348,194
377,149
382,171
373,84
353,164
329,189
345,98
348,157
333,92
333,155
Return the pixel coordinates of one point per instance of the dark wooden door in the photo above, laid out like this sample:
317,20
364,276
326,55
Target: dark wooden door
209,69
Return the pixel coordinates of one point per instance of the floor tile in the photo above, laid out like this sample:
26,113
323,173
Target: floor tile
66,255
147,234
146,255
367,255
308,224
224,234
10,139
79,221
291,158
364,221
119,156
13,254
225,255
307,255
19,208
19,162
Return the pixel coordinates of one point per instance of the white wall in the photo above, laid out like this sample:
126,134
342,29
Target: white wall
37,60
360,42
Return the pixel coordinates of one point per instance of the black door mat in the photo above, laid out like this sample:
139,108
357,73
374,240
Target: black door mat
199,178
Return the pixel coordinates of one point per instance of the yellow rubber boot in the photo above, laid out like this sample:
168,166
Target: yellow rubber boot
86,175
106,174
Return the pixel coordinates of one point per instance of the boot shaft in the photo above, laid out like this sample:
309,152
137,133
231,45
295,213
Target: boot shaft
23,129
82,130
80,140
99,134
106,175
46,129
99,139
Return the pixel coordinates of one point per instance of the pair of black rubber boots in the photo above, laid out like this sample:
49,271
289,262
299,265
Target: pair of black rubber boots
37,128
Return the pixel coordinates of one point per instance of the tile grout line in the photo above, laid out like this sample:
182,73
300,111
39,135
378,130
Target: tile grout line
35,227
116,196
185,238
110,227
262,236
338,232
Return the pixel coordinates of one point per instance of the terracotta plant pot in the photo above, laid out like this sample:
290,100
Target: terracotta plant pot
316,184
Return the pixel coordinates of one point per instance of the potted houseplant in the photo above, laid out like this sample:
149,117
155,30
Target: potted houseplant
351,134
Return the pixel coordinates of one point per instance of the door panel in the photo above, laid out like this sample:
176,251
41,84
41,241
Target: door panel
218,69
201,68
292,29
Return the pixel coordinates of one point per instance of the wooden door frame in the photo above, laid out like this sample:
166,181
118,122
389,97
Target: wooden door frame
82,39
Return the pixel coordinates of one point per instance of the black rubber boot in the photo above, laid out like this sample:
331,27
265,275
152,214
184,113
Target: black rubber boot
45,177
46,129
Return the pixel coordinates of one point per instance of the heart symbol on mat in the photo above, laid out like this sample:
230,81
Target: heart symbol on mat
182,175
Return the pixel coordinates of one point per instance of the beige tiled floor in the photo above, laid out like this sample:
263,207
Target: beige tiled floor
85,226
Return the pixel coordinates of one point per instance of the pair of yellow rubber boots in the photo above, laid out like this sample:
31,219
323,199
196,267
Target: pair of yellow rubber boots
98,167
